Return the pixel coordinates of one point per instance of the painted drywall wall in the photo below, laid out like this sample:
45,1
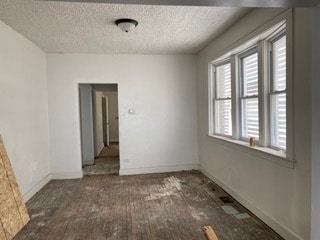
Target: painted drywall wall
315,220
160,136
99,144
113,118
86,122
24,109
113,115
277,194
99,90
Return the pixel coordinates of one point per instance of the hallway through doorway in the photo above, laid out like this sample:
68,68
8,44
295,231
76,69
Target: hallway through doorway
107,163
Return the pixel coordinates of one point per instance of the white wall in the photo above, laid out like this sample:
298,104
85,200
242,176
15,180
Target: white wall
315,230
113,121
99,91
99,144
277,194
86,121
24,109
113,114
160,136
113,118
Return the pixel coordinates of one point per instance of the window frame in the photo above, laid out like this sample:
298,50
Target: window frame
260,38
252,50
272,92
214,94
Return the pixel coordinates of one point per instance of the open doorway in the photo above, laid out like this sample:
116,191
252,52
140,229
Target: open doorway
99,140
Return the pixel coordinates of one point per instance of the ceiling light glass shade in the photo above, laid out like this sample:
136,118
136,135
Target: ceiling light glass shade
126,25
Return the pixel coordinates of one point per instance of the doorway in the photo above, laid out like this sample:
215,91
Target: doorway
102,107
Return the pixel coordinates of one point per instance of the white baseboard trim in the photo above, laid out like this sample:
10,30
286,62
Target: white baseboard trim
285,232
66,175
160,169
36,188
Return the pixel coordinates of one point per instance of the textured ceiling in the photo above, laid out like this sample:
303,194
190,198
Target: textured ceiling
89,27
220,3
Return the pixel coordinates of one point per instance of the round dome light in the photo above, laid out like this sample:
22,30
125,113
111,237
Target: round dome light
126,24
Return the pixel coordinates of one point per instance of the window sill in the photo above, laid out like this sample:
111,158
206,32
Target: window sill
269,154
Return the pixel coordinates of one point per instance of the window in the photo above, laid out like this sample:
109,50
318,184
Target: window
248,96
223,121
278,91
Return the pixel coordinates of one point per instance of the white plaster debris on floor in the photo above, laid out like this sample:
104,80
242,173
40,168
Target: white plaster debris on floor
171,187
199,215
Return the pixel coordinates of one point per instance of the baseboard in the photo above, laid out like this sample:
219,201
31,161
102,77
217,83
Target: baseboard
36,188
66,175
285,232
161,169
88,163
114,140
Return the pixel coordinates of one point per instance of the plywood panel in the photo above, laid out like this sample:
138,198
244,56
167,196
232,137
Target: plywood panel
13,212
14,186
2,235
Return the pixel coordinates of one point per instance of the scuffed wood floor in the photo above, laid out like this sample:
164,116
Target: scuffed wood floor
155,206
103,166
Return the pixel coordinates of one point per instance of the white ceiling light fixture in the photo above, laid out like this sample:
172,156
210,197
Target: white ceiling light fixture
126,24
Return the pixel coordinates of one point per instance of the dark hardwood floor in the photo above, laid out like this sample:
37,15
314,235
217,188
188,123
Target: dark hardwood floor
154,206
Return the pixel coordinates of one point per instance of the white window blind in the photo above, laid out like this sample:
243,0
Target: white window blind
278,92
223,117
249,95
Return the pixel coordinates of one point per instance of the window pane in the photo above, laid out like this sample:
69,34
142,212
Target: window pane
250,75
279,64
250,118
278,120
223,121
223,81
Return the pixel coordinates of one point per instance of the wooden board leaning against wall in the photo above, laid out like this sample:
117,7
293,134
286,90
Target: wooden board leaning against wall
13,212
